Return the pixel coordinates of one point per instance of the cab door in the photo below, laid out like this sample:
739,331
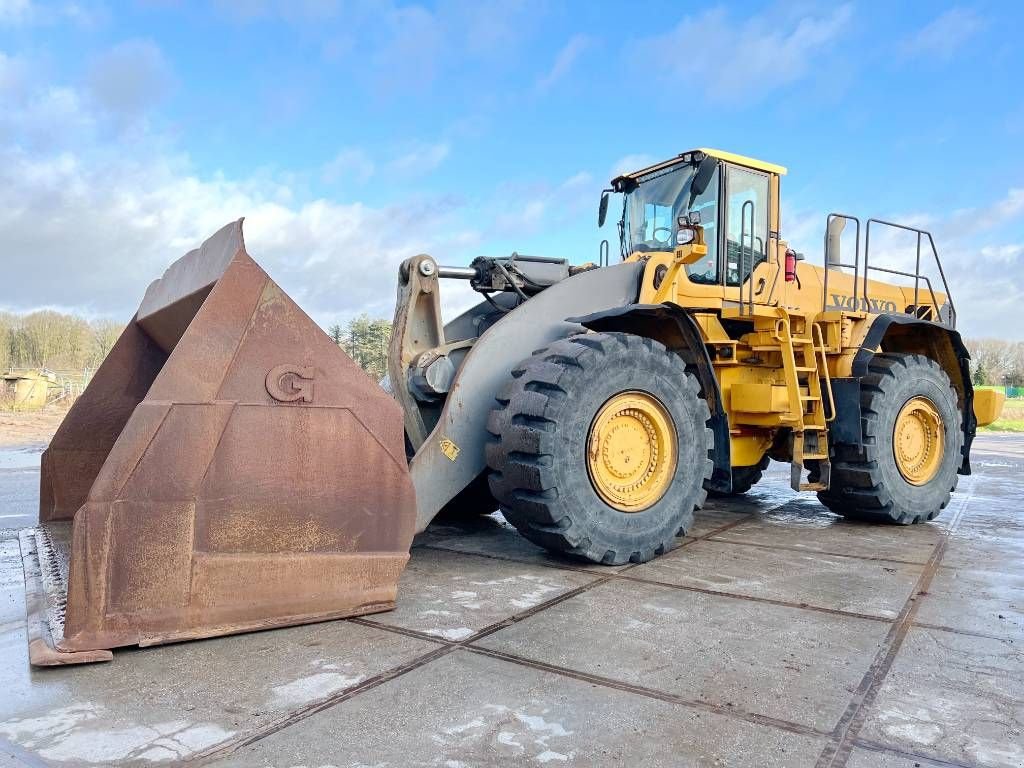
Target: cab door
744,244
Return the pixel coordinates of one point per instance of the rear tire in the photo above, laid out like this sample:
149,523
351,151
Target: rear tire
471,503
868,483
744,478
541,429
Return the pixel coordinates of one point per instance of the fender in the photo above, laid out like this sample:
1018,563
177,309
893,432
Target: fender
674,327
905,333
452,456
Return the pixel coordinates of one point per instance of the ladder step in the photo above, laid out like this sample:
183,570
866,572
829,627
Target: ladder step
805,369
809,398
813,486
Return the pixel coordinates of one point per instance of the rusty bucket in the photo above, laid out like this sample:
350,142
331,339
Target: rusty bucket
228,469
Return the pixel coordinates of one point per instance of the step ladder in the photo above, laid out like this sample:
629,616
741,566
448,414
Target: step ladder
804,365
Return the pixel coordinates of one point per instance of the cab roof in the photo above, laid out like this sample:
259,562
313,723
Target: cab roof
688,156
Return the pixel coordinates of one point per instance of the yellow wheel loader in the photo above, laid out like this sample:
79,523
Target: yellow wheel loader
229,468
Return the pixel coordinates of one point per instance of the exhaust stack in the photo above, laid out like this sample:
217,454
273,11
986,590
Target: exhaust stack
833,243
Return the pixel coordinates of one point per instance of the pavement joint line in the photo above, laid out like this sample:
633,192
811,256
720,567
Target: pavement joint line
468,644
810,551
228,747
444,648
651,693
837,752
622,575
413,633
925,760
755,599
964,632
508,621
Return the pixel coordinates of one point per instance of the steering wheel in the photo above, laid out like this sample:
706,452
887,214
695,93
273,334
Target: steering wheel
663,240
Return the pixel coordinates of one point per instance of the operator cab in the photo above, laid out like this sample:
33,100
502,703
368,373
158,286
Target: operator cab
730,196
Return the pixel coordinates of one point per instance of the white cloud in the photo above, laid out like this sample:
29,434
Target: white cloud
91,232
944,35
759,53
1009,254
564,61
350,164
419,158
88,222
46,118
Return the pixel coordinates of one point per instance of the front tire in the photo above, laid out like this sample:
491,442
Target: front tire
912,431
580,442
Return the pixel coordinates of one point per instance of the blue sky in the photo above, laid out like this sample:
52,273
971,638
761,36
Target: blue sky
354,134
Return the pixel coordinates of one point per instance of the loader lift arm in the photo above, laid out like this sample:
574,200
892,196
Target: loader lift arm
451,455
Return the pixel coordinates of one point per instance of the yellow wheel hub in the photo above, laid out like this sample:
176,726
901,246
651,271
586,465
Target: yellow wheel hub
631,451
918,441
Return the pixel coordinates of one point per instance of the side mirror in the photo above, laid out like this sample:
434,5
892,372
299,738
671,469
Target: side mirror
602,209
705,172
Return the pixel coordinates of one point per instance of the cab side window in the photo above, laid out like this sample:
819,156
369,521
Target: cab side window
747,227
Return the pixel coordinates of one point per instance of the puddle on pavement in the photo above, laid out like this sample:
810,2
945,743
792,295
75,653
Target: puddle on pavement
21,456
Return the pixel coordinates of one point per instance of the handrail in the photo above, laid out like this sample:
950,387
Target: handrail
749,277
816,330
860,280
928,282
917,274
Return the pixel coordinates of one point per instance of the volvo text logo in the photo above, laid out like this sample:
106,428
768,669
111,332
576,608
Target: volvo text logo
867,305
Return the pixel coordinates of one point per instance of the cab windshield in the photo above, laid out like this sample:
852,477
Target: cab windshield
652,210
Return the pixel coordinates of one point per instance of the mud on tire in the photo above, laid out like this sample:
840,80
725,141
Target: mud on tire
537,450
866,483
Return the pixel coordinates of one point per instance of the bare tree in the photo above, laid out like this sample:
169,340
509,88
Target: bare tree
996,362
104,335
54,340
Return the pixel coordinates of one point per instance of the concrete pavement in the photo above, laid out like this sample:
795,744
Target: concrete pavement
775,634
